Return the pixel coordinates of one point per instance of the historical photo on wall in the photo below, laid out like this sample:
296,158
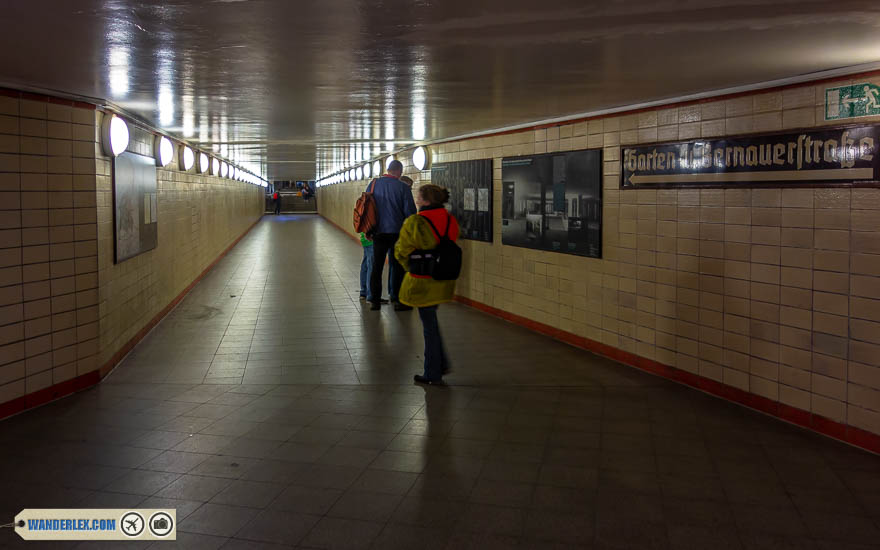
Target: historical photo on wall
135,205
553,202
470,195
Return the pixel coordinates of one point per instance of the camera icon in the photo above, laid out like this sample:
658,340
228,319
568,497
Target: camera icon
161,524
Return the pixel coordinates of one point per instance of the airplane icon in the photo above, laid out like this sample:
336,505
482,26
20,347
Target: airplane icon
132,524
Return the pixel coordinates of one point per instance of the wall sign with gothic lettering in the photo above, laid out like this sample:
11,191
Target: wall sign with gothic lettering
833,156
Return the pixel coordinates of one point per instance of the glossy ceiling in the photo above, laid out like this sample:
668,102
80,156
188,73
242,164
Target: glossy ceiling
298,85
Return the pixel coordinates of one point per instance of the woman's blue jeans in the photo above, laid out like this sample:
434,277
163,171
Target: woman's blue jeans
436,362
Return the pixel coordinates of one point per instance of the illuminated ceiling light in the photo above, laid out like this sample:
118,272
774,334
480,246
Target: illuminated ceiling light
421,158
166,107
368,169
187,158
215,167
163,150
118,63
224,170
388,160
114,132
360,172
377,168
204,163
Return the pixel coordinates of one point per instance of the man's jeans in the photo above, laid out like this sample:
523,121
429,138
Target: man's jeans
435,356
366,271
391,294
382,243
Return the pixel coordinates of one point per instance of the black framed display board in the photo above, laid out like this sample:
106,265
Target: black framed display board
470,195
135,205
553,202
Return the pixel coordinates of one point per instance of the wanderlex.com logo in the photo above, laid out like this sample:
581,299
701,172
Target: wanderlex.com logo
89,524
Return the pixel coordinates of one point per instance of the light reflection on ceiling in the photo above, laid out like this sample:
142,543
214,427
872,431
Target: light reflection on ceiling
289,89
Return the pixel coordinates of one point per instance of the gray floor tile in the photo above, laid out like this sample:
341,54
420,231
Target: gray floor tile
192,487
306,500
278,527
365,506
142,482
253,494
217,520
342,534
385,481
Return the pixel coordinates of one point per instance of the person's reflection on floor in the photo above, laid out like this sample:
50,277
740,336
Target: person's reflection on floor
449,474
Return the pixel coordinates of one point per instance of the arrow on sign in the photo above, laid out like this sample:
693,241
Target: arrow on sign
832,174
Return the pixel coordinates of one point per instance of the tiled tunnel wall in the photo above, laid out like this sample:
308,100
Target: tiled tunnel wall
200,215
48,234
66,310
771,292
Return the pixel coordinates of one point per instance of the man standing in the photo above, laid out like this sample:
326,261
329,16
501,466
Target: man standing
394,203
392,292
277,198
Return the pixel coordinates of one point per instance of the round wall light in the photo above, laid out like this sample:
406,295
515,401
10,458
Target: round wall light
360,172
114,132
224,170
388,160
163,151
377,168
204,163
215,167
187,158
421,158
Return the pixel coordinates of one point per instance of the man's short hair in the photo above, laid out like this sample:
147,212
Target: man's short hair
395,166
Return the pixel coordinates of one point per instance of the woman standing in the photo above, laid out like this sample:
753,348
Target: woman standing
422,291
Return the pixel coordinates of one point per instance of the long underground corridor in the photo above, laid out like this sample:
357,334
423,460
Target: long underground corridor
659,317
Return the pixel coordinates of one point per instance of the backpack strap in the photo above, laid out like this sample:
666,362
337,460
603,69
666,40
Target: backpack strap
448,224
437,233
372,185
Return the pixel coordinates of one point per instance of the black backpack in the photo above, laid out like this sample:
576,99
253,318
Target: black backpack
441,263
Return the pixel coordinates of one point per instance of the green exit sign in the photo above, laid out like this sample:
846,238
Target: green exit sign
858,100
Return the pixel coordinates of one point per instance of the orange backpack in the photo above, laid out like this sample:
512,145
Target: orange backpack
366,213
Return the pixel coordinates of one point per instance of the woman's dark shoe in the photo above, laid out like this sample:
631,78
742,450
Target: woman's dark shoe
422,380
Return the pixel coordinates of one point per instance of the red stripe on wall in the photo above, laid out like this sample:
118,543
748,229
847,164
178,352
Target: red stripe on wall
805,419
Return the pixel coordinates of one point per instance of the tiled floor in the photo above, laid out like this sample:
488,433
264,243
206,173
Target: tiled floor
273,411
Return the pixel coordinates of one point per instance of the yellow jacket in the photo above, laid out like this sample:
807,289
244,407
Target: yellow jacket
416,234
